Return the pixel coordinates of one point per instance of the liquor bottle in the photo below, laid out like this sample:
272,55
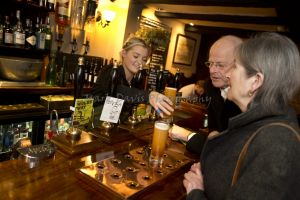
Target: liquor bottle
114,80
91,9
62,74
62,18
50,5
51,72
86,71
160,86
177,79
78,14
8,37
79,78
1,33
96,70
40,34
19,33
42,3
48,34
91,74
63,11
30,38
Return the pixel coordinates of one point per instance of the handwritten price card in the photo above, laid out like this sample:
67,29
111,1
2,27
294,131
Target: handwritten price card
83,110
111,109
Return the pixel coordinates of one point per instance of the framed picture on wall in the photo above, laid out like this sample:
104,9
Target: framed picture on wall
184,50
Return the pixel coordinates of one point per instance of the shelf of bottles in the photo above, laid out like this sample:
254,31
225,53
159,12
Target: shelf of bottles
65,70
25,27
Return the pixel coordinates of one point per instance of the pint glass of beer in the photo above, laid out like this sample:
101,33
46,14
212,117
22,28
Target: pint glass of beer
159,140
171,93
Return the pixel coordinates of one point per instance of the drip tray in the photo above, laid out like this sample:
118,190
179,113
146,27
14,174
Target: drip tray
128,175
21,84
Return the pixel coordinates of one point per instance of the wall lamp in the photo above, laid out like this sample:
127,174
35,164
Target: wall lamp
105,18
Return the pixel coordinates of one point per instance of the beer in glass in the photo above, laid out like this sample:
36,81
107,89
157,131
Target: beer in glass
159,140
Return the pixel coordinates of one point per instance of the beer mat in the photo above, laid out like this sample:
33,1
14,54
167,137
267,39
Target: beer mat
129,175
86,143
26,107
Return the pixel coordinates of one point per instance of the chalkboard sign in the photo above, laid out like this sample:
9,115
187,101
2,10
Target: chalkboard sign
157,35
158,57
151,84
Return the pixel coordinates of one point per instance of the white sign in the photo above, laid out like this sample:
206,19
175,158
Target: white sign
111,109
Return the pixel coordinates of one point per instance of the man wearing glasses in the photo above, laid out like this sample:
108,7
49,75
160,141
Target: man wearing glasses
221,60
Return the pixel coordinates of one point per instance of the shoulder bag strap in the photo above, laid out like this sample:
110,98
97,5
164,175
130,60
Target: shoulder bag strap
245,147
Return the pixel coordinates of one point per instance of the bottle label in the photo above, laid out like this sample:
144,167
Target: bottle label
19,38
31,40
8,38
41,41
51,1
63,7
48,37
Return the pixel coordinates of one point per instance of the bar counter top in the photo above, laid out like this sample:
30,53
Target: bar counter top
57,177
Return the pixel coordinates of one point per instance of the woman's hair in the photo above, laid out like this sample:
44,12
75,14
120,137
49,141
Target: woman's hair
277,58
134,41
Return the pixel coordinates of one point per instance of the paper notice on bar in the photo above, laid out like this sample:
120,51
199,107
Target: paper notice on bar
83,110
111,109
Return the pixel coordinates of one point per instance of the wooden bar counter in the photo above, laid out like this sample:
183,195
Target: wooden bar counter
57,178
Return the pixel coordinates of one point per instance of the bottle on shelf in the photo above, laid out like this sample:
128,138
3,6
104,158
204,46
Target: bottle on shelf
40,34
78,14
79,78
8,37
91,9
91,74
62,18
1,29
19,33
51,72
30,38
86,71
95,71
114,80
42,3
48,34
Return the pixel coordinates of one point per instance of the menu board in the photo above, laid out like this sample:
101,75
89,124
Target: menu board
151,84
158,58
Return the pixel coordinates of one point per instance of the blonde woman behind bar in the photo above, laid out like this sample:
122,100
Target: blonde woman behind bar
135,53
266,75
